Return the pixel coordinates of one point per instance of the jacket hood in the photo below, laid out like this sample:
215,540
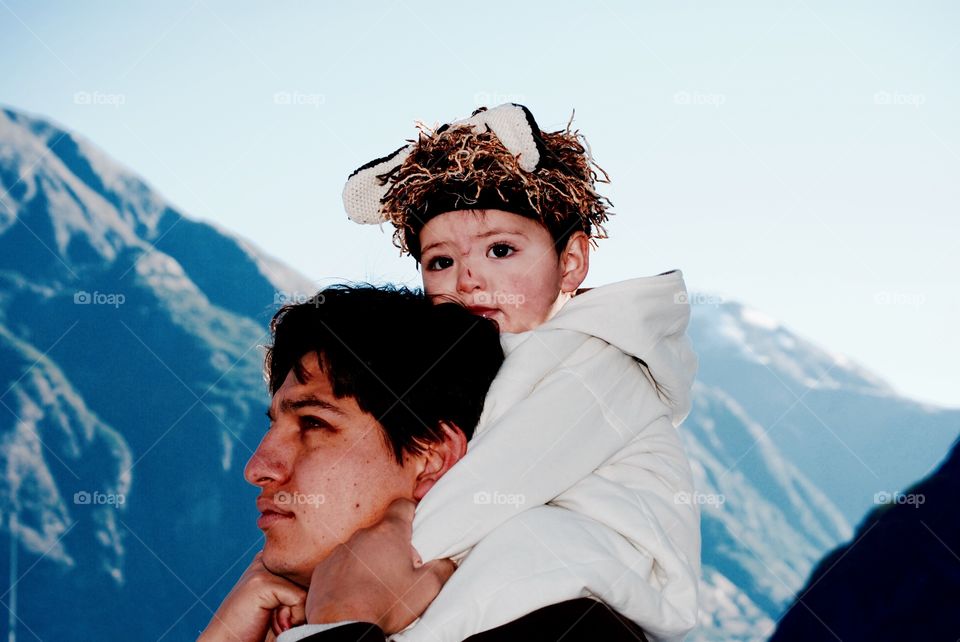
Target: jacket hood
647,318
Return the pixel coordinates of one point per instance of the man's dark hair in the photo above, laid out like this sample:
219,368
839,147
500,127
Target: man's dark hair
407,362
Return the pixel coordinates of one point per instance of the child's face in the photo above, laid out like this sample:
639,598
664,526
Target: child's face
498,264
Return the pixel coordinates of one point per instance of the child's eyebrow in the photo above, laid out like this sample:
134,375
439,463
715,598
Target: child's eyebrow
429,247
484,235
481,235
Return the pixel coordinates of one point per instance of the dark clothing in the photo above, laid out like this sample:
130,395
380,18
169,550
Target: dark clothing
580,620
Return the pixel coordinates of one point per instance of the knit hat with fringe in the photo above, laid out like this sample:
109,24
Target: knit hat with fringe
496,159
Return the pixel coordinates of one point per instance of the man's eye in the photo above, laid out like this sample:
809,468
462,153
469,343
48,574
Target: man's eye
439,263
308,422
500,250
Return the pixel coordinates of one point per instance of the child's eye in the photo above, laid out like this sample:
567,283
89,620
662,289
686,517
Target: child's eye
439,263
500,250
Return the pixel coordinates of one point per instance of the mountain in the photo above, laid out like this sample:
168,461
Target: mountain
898,579
799,442
131,390
764,528
132,396
842,426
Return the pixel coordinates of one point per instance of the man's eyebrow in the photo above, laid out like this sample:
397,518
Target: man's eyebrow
310,401
482,235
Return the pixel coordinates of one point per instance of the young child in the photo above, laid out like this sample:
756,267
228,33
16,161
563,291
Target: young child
576,482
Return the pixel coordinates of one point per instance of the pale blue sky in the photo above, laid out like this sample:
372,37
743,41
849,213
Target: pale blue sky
799,156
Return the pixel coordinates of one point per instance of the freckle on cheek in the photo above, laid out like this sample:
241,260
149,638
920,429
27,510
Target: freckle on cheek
356,505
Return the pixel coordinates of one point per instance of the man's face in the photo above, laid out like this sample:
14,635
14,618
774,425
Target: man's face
325,465
498,264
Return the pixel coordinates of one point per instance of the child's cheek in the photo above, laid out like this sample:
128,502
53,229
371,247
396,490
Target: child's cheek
432,285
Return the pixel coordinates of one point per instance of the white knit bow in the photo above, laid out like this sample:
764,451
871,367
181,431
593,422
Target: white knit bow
512,124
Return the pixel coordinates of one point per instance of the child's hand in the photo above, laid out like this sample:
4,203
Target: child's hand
260,603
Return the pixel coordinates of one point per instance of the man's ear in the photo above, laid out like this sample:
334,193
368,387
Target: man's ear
574,262
439,457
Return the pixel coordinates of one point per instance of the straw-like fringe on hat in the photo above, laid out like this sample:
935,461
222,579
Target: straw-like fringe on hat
496,159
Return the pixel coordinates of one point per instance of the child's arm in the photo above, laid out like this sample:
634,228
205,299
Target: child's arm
571,423
627,534
548,555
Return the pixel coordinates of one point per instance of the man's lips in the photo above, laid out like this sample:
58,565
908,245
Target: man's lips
270,513
269,518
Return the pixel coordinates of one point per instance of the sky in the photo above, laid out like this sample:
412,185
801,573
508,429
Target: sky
800,157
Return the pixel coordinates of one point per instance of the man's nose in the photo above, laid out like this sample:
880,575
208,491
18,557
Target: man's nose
268,463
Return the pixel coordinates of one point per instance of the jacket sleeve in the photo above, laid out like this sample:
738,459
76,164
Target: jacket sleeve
646,495
548,554
574,420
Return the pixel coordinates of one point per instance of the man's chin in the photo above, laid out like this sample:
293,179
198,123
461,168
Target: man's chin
285,568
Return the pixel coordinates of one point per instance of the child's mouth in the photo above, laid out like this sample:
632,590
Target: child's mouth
482,311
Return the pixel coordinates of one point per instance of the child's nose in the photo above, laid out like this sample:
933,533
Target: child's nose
468,279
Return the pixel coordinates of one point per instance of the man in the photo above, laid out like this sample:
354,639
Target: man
375,393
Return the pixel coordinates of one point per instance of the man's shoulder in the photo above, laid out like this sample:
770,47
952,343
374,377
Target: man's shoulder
580,619
572,621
